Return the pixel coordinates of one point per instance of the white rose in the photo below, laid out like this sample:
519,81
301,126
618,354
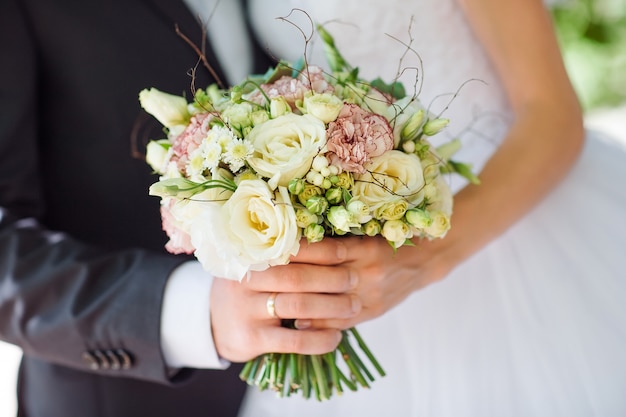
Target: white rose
325,107
253,230
440,225
168,109
284,147
390,176
439,196
396,232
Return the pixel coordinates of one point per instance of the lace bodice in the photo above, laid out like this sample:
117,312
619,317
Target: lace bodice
439,35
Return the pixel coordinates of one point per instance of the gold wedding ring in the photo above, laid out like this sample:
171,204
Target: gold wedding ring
270,304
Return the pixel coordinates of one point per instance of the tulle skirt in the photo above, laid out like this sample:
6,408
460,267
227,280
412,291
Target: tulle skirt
532,325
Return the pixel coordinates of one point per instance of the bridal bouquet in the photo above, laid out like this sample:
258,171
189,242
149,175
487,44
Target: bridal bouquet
247,172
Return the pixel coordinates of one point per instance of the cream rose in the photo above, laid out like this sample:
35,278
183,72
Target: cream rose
325,107
284,147
256,228
396,232
390,176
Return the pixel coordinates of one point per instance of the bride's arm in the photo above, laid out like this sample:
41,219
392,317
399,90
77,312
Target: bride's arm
541,146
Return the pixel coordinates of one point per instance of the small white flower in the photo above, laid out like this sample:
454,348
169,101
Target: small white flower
237,152
212,153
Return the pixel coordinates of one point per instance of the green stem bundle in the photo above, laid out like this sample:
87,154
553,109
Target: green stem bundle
318,375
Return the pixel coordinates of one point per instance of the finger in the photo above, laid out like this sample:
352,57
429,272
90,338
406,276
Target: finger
303,278
305,342
309,305
327,252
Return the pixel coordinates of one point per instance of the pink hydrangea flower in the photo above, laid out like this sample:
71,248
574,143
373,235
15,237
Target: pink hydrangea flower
356,137
293,89
180,241
190,139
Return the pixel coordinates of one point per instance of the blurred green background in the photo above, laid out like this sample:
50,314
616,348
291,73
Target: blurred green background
592,34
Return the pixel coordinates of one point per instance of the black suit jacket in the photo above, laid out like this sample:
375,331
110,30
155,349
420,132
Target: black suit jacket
82,264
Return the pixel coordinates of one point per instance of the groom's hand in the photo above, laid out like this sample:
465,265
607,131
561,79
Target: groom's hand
309,289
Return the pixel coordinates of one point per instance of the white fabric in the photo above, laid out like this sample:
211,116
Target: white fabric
532,325
186,338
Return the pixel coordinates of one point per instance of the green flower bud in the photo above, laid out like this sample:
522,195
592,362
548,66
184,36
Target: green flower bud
314,233
296,186
418,218
326,184
334,195
372,227
448,149
279,107
309,191
434,126
176,187
317,204
411,128
156,154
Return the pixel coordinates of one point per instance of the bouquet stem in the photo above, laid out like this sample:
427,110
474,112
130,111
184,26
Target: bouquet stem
320,375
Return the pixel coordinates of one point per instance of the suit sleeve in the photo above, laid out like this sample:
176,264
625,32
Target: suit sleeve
61,300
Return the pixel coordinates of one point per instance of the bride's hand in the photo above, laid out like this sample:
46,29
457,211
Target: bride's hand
384,277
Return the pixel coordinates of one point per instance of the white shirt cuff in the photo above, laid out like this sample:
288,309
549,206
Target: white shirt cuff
186,337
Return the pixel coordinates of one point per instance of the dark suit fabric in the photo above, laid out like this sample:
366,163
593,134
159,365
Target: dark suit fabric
82,264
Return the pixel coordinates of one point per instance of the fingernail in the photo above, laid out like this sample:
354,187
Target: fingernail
354,279
302,324
342,251
356,304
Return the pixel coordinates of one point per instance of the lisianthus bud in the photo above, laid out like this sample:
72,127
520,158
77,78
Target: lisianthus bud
434,126
448,149
360,210
324,106
168,109
372,227
308,192
317,204
304,218
396,232
156,154
418,218
176,187
393,210
341,218
314,233
296,186
279,107
334,195
411,128
326,184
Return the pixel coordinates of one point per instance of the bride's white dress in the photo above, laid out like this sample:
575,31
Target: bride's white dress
532,325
